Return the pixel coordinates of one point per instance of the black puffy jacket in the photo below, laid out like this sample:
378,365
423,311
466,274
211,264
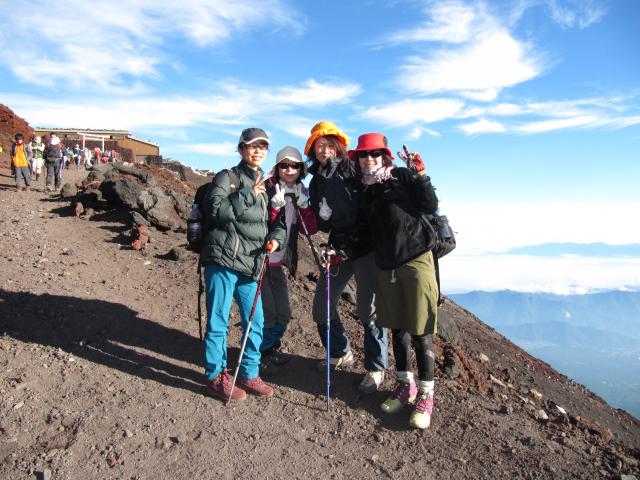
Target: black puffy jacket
347,231
394,211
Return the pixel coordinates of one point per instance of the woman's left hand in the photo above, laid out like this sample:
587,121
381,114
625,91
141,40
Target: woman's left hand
413,160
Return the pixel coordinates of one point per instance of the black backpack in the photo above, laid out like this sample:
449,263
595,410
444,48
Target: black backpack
443,240
194,222
194,230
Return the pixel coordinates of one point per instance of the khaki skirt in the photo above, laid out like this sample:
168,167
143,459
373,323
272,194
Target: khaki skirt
407,297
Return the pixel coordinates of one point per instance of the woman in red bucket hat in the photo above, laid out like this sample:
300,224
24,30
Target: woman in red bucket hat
395,200
334,196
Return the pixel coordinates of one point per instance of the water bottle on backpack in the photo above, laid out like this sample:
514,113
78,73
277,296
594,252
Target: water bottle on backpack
194,228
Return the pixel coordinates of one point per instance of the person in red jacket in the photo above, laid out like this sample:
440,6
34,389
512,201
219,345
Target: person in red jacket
288,198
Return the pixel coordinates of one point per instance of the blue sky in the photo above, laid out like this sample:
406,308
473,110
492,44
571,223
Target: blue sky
526,111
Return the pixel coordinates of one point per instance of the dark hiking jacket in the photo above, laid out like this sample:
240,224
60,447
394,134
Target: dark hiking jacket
236,224
394,211
347,231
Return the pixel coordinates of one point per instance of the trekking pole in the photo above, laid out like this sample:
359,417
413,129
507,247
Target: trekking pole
248,329
311,244
200,292
327,254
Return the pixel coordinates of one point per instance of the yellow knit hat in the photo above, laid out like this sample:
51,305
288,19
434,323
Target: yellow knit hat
323,128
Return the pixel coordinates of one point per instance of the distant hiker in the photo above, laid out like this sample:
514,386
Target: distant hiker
20,157
394,202
96,155
87,157
234,240
37,156
334,197
77,155
289,199
53,162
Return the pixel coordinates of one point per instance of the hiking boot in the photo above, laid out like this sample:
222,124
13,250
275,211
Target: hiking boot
421,416
256,386
220,387
337,362
267,367
278,358
404,393
371,381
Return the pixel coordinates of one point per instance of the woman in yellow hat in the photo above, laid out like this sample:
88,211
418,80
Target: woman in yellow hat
334,196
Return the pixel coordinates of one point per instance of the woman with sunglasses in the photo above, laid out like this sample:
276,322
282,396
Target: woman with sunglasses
334,196
288,200
394,202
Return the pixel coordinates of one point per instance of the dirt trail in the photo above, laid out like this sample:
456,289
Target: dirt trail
100,377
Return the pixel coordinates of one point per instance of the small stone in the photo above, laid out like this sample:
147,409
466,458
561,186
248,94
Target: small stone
127,434
375,458
497,381
542,415
528,441
452,370
484,358
43,474
535,394
378,437
18,406
506,409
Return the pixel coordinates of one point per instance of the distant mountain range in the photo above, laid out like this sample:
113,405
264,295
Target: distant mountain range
583,249
594,339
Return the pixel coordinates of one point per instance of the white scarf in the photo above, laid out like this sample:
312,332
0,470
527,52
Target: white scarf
373,175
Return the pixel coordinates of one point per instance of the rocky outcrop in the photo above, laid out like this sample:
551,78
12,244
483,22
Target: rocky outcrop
151,200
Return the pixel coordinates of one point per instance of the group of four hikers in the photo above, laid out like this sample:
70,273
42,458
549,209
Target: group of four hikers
374,214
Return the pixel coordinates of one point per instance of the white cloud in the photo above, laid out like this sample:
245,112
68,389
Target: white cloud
494,60
113,44
227,107
447,22
559,275
417,132
497,227
576,14
407,112
482,126
559,124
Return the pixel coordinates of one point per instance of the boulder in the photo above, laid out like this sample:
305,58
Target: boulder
69,190
123,192
160,209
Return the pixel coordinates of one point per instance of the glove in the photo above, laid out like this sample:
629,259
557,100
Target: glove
301,199
277,201
325,211
413,160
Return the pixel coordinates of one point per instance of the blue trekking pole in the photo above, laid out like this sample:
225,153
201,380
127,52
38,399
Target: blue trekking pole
327,282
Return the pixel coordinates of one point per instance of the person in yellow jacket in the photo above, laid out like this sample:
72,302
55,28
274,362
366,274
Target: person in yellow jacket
20,156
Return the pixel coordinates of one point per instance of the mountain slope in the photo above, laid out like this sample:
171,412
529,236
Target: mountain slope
102,372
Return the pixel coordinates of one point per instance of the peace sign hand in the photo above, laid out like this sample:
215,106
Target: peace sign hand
413,160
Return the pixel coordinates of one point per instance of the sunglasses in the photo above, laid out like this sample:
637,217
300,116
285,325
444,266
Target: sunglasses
284,166
256,146
373,153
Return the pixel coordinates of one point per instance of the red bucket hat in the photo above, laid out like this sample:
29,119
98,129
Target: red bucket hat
370,141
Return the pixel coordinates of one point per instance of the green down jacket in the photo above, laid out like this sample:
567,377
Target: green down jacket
235,223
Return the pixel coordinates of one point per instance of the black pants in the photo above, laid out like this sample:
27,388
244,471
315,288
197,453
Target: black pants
425,353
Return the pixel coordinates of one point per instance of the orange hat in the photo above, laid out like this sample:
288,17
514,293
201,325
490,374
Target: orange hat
323,128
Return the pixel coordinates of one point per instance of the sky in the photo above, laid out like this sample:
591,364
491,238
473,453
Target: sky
527,112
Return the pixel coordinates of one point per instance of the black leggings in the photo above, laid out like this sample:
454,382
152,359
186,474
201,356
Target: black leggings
425,353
